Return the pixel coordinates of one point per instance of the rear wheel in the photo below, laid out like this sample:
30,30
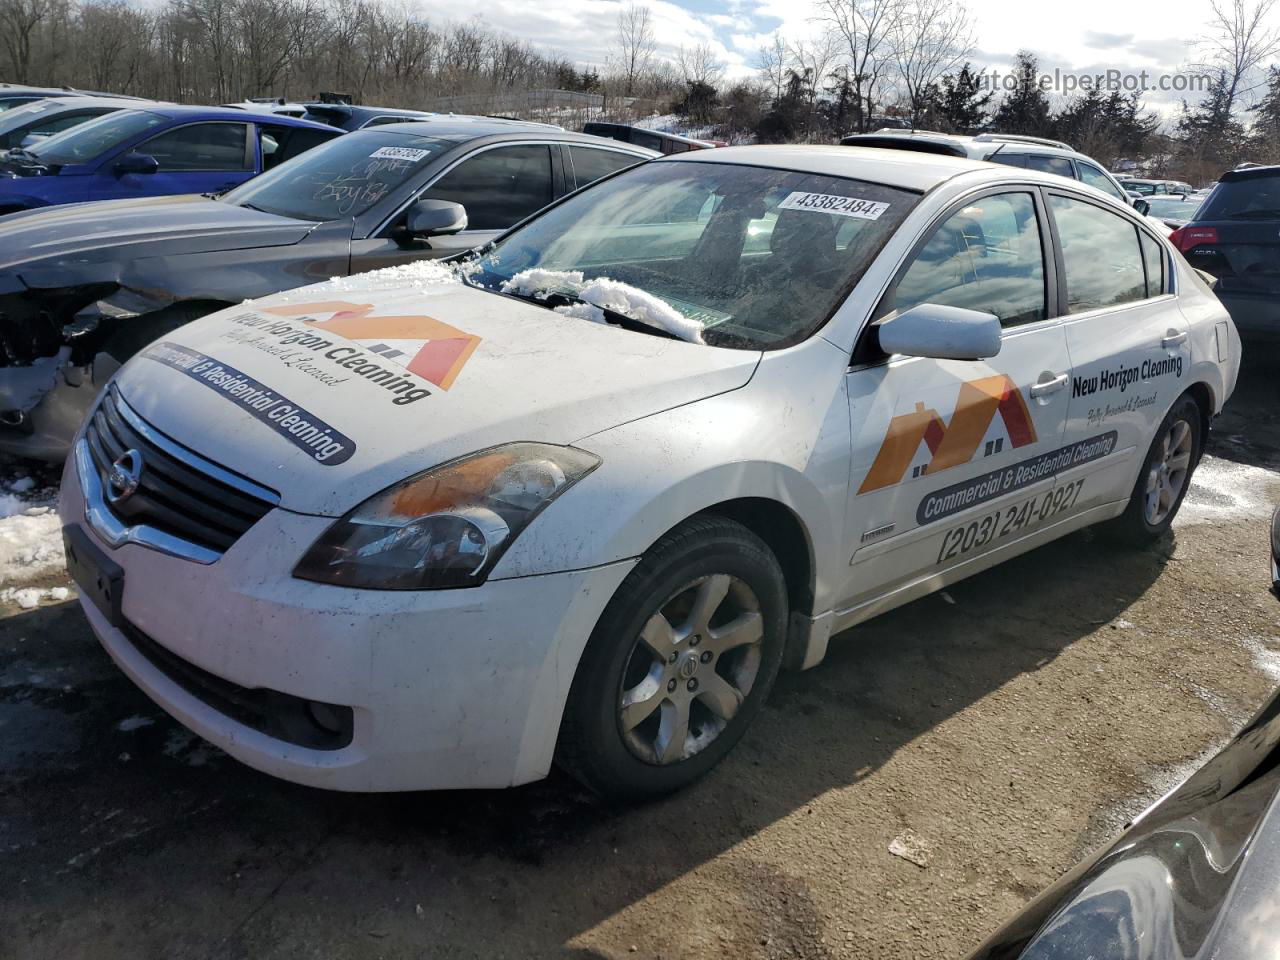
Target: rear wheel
682,660
1165,476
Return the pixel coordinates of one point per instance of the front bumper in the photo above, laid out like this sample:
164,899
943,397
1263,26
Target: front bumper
448,688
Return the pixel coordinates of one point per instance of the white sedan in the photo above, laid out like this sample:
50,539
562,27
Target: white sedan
580,498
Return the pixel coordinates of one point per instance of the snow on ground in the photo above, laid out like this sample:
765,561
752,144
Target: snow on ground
1224,490
30,535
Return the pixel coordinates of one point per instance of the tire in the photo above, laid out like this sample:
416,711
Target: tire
637,754
1181,428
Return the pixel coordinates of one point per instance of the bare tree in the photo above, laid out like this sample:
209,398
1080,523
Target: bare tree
636,44
866,28
19,20
772,61
1241,36
699,64
930,38
813,60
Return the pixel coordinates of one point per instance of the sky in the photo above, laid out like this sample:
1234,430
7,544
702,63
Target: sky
1084,36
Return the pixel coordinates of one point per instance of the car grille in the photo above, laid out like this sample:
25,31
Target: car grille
178,493
308,723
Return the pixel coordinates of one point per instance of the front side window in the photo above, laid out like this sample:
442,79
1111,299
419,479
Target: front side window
987,256
759,257
499,187
342,177
1101,255
199,147
590,163
1096,178
93,138
1059,165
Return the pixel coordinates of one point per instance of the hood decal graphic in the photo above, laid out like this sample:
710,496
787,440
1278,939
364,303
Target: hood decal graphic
425,346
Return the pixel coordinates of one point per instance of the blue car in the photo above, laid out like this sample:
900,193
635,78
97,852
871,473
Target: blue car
152,151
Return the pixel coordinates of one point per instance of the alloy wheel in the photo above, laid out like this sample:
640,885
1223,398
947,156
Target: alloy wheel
1168,472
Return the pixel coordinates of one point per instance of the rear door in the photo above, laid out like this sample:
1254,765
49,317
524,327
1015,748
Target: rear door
1128,341
193,158
499,185
953,459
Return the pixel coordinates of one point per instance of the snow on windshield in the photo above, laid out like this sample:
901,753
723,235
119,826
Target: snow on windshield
605,294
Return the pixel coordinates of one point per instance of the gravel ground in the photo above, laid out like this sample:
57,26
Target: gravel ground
945,763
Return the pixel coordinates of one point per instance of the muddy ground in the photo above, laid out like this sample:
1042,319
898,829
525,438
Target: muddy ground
999,732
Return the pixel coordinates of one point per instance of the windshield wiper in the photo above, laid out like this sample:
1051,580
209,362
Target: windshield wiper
554,299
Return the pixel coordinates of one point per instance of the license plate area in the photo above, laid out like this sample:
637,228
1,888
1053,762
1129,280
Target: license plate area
97,576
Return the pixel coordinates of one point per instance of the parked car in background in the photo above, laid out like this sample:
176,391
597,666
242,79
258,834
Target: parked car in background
13,95
1173,209
606,475
346,116
84,288
1235,236
1156,188
277,105
658,140
39,119
151,151
1196,875
1031,153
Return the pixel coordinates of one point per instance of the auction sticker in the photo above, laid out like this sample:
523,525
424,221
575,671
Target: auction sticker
830,203
399,153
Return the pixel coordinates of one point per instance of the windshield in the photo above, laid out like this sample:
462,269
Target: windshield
341,178
93,138
758,258
1251,198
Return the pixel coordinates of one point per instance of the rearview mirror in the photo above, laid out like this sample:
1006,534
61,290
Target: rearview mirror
941,332
136,163
1142,207
435,218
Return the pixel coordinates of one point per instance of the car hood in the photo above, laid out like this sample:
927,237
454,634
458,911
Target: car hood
55,238
331,393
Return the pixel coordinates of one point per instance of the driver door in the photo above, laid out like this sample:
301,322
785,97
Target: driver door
499,186
196,158
952,459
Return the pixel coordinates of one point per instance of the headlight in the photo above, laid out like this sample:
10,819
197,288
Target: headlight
446,527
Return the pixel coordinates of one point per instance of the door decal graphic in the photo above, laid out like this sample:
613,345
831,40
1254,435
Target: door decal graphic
423,345
954,443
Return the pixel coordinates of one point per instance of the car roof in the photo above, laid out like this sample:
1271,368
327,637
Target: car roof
1270,170
79,103
360,109
463,129
907,169
184,112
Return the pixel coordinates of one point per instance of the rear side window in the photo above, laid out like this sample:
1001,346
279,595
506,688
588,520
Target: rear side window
1096,178
1252,198
499,187
1104,265
280,143
1153,261
1059,165
986,256
1008,159
590,163
199,147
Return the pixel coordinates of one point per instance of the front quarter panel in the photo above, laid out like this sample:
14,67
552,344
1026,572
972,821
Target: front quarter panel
783,437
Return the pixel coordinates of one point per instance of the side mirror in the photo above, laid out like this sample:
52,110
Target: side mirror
435,218
1142,207
941,332
136,163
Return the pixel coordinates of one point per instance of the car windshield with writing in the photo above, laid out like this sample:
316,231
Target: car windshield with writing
750,257
341,178
93,138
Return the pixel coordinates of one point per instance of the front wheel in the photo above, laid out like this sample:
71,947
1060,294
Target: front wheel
1165,476
680,663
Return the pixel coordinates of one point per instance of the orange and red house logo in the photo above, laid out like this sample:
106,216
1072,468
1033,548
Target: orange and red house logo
422,345
954,443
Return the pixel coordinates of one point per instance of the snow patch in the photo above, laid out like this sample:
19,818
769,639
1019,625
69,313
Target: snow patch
1226,490
421,275
130,724
30,544
583,311
606,294
28,598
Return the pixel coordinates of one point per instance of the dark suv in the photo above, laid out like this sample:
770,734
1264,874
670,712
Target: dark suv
1236,237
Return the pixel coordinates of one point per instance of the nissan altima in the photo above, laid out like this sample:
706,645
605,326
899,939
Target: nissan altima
580,496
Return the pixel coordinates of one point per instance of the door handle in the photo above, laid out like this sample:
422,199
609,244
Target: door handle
1173,338
1048,386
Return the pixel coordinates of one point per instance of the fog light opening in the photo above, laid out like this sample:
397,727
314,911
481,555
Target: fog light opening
327,717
